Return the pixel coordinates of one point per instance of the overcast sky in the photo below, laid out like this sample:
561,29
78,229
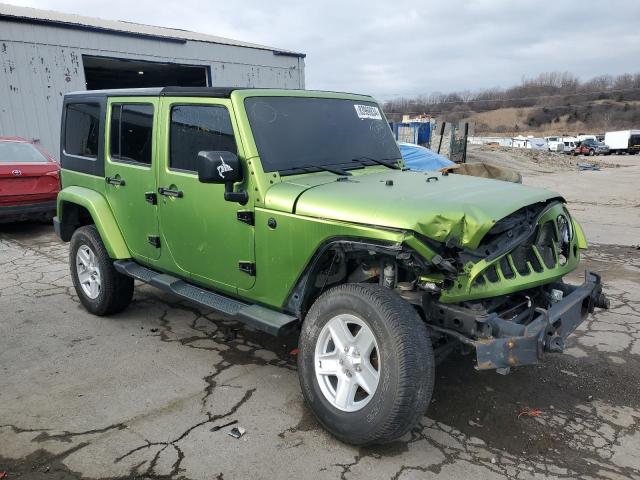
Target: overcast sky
396,48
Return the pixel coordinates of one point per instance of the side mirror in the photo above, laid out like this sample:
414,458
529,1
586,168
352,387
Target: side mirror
219,167
222,167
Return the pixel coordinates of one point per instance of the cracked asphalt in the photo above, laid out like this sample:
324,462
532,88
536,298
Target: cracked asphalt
153,392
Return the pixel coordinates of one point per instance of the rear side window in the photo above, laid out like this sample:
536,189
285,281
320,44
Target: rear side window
82,129
131,133
195,128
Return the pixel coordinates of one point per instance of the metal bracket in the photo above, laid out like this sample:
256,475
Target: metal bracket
151,197
247,267
246,216
154,240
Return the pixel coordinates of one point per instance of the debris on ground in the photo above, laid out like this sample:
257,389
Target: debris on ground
530,412
528,162
473,423
237,432
588,166
294,352
219,427
3,475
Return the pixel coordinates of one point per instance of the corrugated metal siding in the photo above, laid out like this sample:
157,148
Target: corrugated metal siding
39,64
78,21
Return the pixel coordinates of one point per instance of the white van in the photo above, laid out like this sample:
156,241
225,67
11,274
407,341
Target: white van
569,144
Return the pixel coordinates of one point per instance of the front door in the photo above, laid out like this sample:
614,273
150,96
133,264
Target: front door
200,231
130,173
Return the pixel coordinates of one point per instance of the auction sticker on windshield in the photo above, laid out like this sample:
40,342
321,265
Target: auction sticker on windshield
367,111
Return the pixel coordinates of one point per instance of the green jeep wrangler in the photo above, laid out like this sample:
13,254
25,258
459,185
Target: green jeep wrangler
292,212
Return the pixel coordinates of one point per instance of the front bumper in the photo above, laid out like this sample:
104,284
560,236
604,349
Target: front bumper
513,344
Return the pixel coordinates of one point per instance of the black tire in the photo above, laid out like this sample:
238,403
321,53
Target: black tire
407,367
592,153
116,290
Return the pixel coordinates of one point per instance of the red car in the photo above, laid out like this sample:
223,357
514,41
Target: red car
29,181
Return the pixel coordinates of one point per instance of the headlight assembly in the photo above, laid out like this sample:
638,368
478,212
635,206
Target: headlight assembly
565,231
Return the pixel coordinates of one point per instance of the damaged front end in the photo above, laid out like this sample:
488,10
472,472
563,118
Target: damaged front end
506,298
518,329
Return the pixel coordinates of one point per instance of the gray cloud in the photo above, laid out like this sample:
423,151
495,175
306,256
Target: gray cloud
409,47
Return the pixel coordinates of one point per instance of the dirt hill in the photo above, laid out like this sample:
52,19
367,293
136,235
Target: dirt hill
552,103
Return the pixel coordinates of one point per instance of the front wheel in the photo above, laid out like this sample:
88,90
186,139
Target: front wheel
366,364
101,288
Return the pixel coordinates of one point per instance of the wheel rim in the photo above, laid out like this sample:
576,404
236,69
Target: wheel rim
347,362
88,272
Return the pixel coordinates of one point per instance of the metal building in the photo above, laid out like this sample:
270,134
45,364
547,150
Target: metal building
44,54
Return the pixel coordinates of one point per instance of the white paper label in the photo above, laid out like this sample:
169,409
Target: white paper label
367,111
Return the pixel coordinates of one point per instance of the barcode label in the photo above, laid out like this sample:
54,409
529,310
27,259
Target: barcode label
367,111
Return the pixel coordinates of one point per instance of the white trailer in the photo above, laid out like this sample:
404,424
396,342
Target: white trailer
623,141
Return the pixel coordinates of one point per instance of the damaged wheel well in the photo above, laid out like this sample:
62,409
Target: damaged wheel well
352,260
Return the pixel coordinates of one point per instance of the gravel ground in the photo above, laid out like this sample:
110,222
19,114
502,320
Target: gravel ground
152,392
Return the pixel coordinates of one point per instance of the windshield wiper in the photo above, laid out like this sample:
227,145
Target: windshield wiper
387,162
335,170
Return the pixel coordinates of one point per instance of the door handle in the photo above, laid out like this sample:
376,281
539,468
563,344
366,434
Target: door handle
170,193
115,181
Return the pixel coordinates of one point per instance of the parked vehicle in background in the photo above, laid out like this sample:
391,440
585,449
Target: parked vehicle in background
29,181
591,147
623,141
570,145
555,144
422,159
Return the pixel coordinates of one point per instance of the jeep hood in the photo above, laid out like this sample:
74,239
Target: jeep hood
456,208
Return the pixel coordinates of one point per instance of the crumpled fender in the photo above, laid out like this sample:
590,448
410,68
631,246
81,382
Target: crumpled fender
101,214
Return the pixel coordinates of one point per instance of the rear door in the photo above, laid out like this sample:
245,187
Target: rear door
26,175
130,159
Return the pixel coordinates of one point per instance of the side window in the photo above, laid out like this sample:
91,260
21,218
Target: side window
195,128
131,133
82,129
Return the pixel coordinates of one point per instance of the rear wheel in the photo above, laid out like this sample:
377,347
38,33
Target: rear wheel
366,364
101,289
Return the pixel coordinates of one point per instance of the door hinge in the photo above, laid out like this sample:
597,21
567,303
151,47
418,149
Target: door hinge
154,240
151,197
247,267
246,216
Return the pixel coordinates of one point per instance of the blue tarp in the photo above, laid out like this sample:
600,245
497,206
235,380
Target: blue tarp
420,158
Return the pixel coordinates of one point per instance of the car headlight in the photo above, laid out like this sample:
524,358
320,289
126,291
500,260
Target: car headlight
565,230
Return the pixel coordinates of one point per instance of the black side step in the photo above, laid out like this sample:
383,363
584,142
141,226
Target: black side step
260,318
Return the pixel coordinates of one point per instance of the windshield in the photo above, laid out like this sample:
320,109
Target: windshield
15,152
295,133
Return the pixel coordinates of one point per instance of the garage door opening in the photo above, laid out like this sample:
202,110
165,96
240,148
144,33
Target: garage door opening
104,72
